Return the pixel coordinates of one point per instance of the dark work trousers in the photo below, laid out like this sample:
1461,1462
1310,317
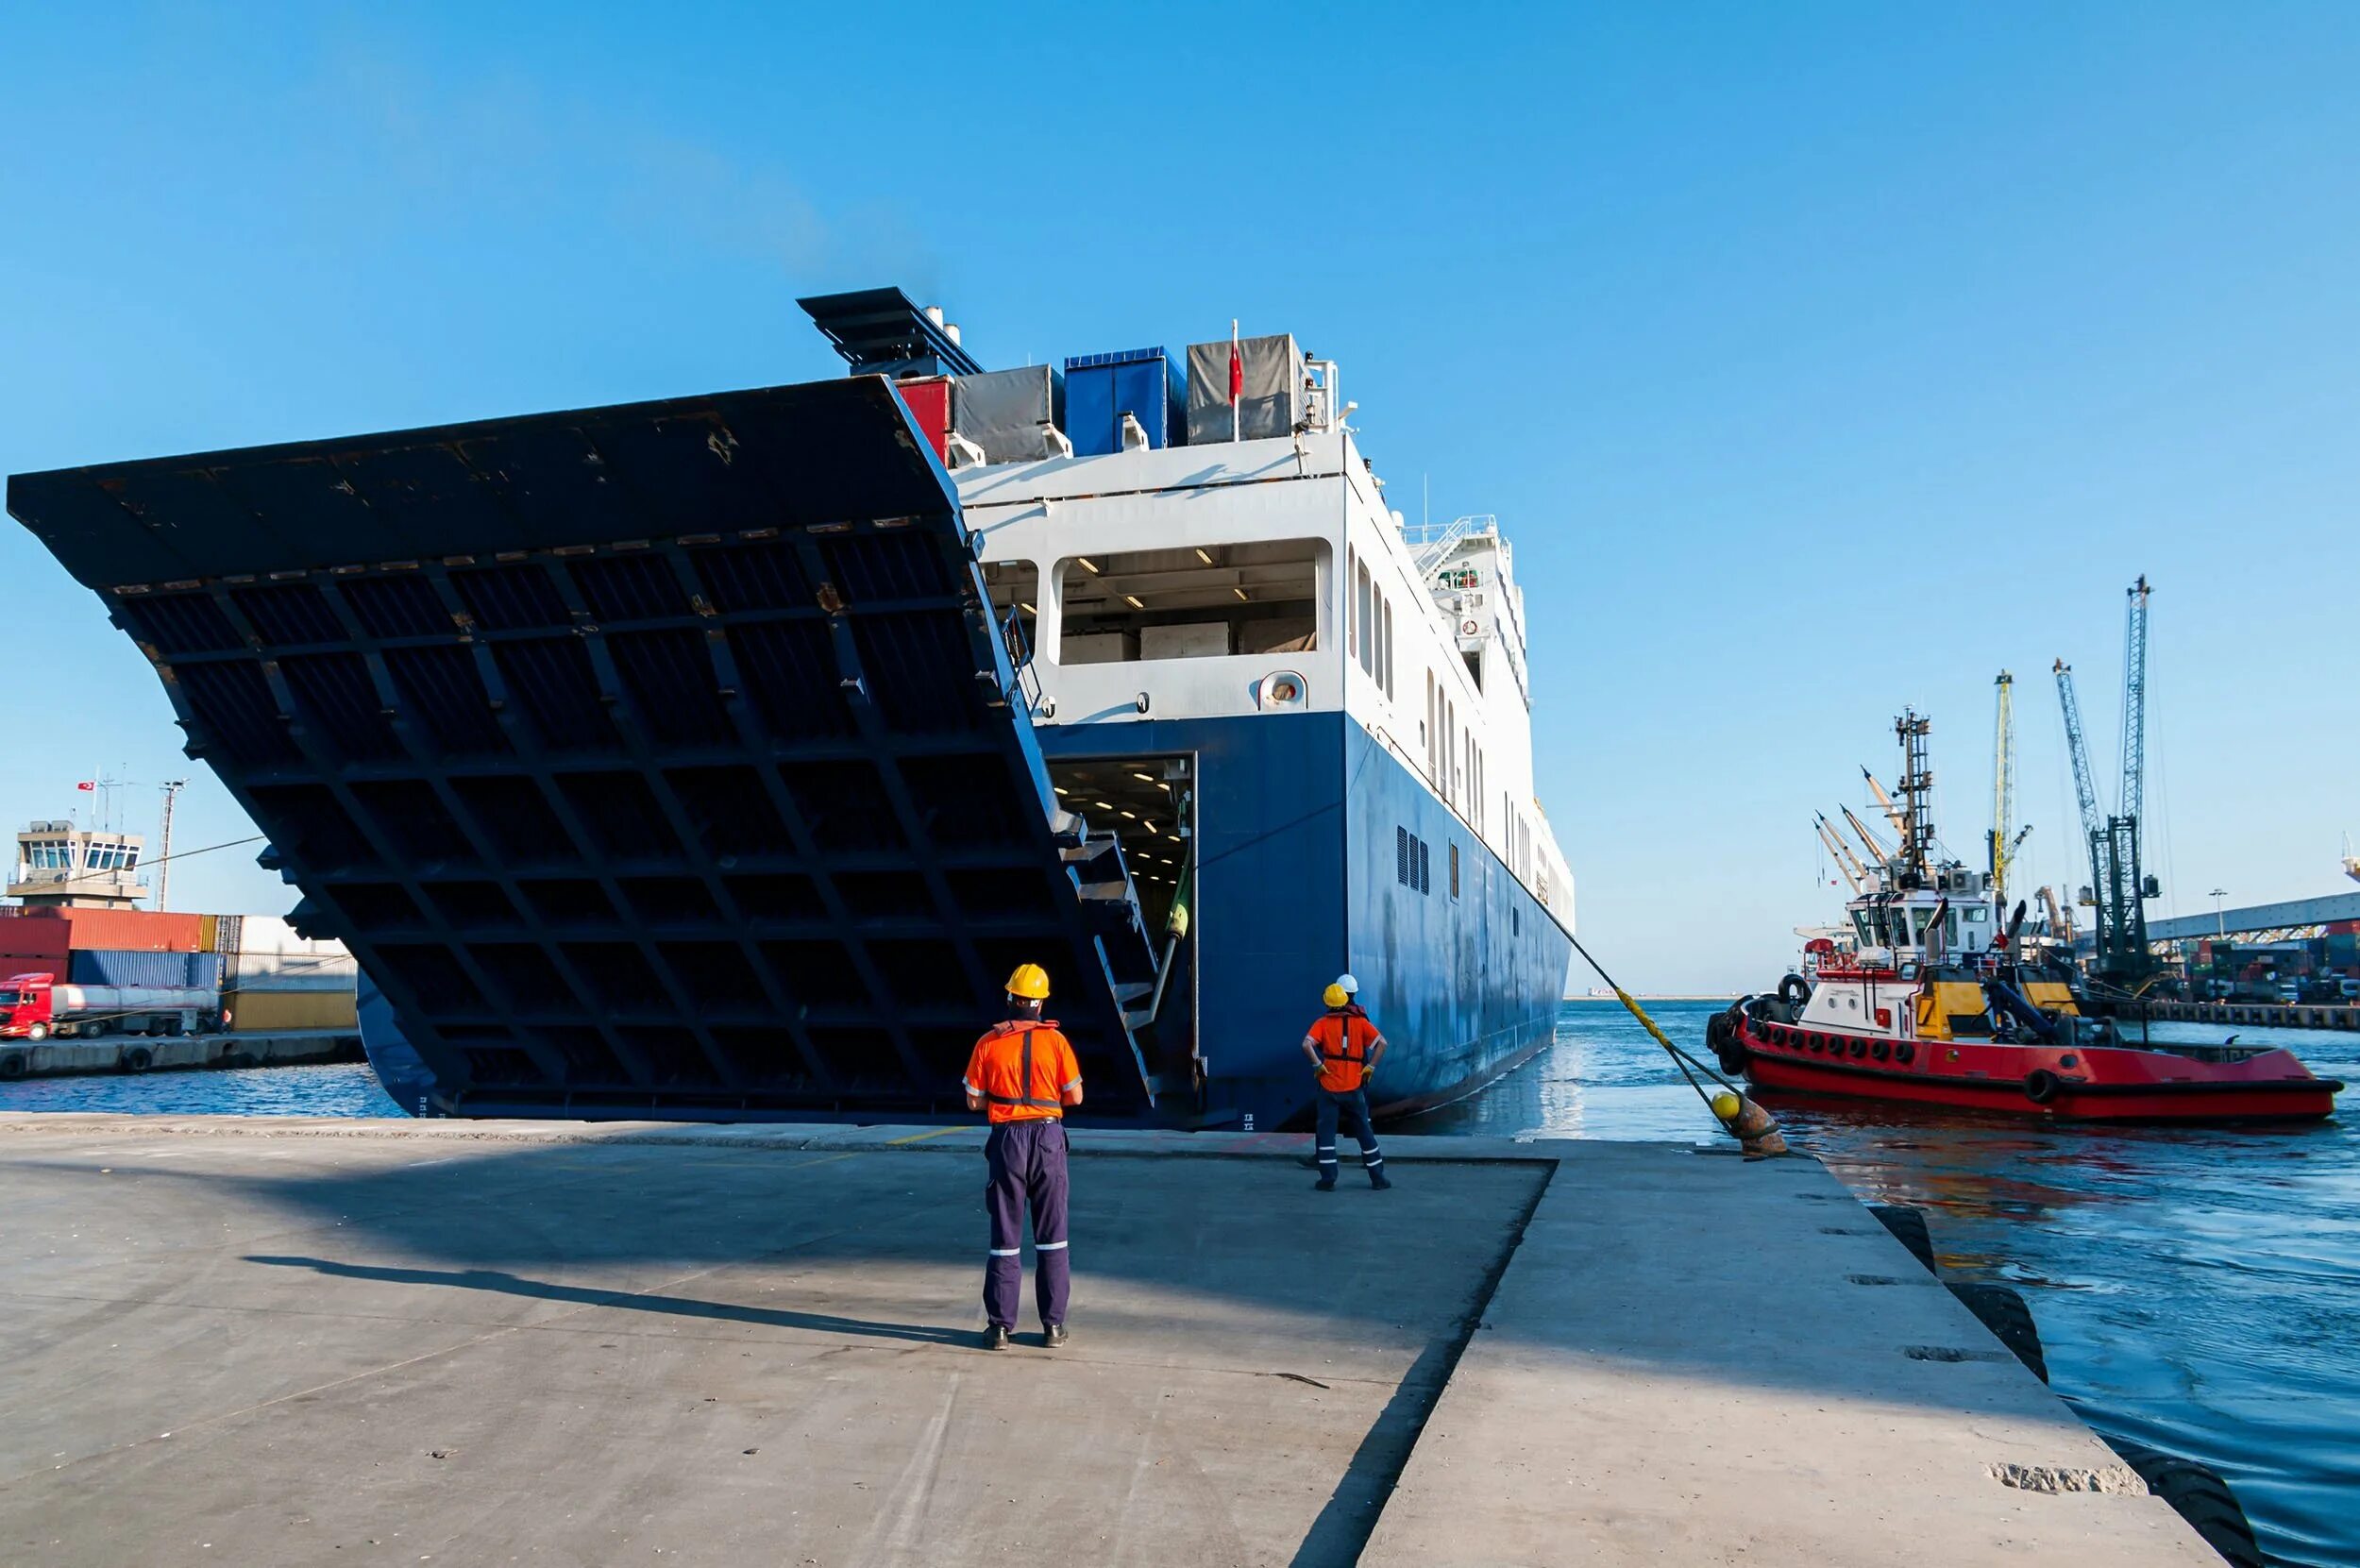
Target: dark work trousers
1353,1109
1027,1161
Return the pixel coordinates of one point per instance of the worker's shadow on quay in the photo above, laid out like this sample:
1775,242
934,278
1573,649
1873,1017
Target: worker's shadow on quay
684,1306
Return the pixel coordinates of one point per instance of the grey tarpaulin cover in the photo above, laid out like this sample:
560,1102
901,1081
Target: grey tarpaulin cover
1001,411
1272,404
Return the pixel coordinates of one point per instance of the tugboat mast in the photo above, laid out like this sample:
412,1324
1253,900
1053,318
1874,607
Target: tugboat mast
1913,863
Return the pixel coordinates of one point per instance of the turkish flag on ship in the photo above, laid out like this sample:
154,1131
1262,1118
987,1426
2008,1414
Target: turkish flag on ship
1237,382
86,785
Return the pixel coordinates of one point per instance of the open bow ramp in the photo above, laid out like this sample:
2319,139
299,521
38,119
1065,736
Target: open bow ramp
658,759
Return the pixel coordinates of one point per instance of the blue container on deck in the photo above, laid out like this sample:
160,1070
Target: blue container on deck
1101,388
108,967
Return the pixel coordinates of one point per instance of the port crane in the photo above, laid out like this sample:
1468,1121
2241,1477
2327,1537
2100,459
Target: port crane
2001,844
2118,887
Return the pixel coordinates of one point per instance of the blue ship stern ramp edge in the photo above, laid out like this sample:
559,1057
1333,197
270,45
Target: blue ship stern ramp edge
662,760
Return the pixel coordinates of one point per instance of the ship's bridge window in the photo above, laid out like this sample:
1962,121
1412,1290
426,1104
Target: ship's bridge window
1193,602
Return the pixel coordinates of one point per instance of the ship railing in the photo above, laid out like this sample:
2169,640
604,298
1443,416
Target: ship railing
1430,544
1019,644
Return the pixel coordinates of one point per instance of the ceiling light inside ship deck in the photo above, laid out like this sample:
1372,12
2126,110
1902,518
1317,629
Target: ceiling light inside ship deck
1027,609
1087,565
1143,778
1133,815
1200,555
1133,600
1240,593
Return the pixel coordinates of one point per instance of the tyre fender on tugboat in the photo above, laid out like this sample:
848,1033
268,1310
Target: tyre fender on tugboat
2041,1085
1728,1043
1794,991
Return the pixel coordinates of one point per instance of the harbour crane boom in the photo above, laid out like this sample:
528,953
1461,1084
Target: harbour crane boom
1877,850
2134,701
2084,791
1845,861
2004,787
1891,807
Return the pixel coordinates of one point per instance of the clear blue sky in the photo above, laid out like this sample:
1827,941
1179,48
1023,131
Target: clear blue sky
1819,358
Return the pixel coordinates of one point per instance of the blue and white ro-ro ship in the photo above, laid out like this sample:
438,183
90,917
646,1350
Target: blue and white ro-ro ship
716,758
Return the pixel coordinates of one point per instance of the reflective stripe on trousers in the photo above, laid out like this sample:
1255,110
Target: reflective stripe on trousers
1027,1165
1351,1110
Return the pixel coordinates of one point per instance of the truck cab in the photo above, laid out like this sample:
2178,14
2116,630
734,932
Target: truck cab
24,1007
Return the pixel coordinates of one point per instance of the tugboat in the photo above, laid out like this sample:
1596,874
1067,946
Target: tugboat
1940,1001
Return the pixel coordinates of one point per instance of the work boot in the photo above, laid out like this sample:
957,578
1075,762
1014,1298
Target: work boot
1326,1184
1377,1182
995,1338
1055,1337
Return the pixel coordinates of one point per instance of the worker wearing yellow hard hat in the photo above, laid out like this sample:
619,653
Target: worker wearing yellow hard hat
1344,1048
1022,1074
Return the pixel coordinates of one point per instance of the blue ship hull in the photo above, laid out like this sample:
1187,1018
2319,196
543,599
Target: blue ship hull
1300,875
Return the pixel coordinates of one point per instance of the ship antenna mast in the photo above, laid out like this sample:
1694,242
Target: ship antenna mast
1918,783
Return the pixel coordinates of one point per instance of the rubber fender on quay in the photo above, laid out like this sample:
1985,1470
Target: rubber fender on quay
137,1059
2001,1309
2197,1494
12,1065
1908,1226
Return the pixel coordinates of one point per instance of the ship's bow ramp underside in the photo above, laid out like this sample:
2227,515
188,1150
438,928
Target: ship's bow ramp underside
661,759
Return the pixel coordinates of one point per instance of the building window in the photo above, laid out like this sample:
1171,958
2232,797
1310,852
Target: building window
1426,867
1454,868
1386,625
1194,603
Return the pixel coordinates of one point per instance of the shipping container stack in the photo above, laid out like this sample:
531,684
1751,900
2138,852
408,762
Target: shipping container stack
274,978
106,947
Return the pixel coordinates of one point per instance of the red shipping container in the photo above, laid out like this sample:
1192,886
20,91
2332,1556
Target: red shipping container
115,930
929,397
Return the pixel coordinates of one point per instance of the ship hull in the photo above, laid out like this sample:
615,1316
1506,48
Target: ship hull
2043,1082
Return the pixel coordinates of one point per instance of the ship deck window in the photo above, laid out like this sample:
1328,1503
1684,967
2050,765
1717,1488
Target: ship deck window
1194,603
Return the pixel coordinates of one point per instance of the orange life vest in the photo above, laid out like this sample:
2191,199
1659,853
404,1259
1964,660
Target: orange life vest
1016,1085
1343,1038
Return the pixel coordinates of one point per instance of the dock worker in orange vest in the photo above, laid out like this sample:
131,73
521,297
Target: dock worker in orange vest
1023,1075
1344,1048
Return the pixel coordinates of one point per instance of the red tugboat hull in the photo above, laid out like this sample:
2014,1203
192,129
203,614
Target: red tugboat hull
2051,1082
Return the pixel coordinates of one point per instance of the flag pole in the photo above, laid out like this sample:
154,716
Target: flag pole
1237,384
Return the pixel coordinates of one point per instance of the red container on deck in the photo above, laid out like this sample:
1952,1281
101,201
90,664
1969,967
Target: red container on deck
929,397
115,930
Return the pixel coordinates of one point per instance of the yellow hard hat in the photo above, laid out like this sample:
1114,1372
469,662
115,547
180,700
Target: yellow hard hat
1726,1105
1031,982
1335,996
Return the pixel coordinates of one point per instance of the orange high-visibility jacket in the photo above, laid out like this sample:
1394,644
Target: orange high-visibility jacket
1343,1039
1020,1068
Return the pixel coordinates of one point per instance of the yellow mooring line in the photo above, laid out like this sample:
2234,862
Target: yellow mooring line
1739,1116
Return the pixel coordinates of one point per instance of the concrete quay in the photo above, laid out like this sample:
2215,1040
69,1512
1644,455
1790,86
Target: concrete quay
55,1059
277,1341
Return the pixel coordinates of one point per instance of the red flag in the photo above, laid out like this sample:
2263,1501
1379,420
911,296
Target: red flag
1236,372
87,784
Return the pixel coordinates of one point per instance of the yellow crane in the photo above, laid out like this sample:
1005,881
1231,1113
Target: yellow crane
2002,842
